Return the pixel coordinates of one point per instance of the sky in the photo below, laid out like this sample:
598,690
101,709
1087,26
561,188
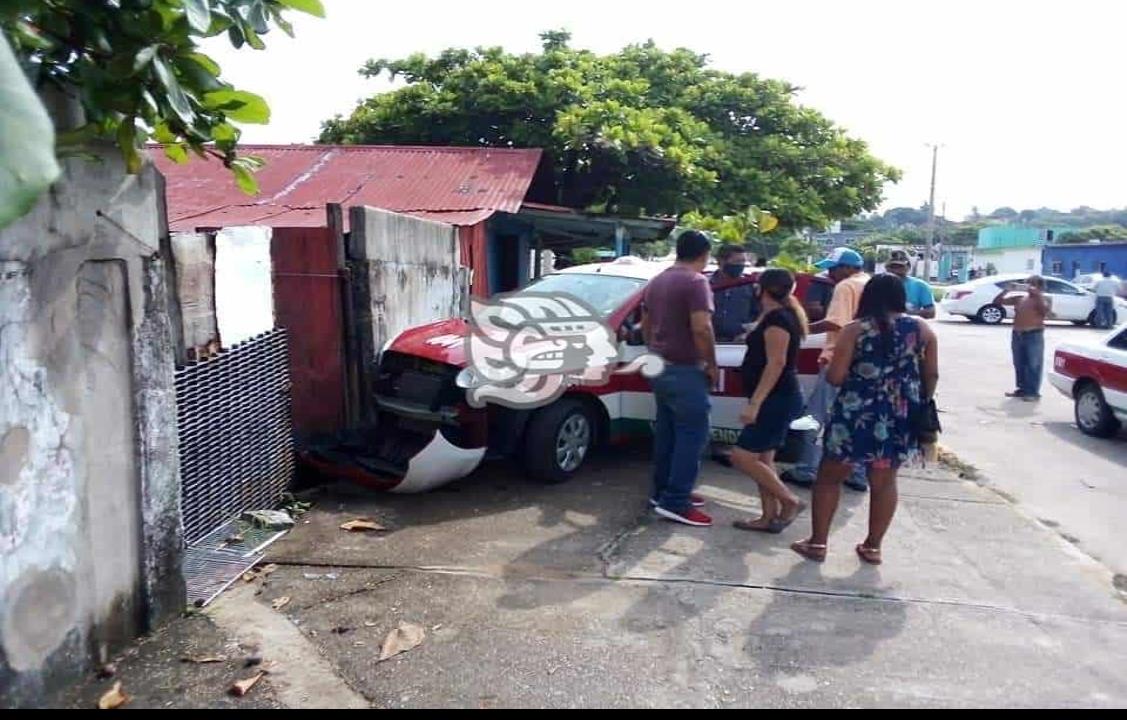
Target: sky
1024,98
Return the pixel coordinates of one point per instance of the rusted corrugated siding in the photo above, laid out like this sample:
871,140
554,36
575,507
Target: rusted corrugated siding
459,186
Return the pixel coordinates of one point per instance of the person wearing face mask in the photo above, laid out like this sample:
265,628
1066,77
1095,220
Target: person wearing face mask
736,306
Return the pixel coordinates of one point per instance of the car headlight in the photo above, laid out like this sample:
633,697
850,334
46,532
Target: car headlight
467,379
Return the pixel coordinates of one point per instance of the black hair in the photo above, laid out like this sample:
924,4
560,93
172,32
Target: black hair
883,297
779,284
692,245
728,250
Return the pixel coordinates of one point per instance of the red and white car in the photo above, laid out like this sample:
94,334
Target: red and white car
1094,375
428,434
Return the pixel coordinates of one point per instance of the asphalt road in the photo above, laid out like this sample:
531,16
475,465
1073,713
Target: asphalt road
1033,453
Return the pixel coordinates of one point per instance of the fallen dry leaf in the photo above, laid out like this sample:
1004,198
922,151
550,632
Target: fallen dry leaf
204,660
113,698
242,687
249,576
280,603
403,638
267,569
362,525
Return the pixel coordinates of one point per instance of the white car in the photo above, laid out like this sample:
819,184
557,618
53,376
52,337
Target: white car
1094,375
975,300
1088,281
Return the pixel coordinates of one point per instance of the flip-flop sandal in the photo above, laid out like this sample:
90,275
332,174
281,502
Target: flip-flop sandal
786,523
869,555
810,551
774,527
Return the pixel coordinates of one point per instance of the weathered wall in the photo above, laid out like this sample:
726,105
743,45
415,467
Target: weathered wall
89,504
193,256
406,273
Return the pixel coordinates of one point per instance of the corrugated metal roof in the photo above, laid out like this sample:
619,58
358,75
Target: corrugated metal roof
461,186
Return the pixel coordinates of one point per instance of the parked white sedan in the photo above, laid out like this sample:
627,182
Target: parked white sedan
975,300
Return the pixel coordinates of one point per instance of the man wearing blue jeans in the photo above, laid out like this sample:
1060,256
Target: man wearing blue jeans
844,267
1106,290
1031,308
677,325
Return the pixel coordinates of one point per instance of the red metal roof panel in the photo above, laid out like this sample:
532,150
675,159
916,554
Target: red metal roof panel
298,180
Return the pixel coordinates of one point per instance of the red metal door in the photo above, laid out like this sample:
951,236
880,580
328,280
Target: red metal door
307,266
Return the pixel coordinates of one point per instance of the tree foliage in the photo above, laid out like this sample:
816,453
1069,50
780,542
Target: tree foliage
1100,233
752,228
641,130
27,142
137,70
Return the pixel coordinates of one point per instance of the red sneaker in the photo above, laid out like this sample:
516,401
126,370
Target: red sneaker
695,500
692,516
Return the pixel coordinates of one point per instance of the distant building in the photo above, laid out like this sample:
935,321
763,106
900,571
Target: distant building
1013,248
847,238
1068,261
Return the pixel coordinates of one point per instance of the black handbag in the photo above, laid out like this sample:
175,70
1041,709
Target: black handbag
926,423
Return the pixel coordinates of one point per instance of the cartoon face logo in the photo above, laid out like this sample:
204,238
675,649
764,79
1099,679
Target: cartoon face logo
527,349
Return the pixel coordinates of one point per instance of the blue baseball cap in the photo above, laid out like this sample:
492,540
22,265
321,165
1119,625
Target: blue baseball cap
840,257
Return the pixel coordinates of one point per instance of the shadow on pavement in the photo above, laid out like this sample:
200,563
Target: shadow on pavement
1111,448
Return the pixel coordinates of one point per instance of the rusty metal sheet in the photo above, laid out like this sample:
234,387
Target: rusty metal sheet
460,186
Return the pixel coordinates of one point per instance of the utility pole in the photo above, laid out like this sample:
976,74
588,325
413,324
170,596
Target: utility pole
931,215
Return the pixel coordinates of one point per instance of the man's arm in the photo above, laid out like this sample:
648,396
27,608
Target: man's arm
1002,299
839,313
1046,305
705,340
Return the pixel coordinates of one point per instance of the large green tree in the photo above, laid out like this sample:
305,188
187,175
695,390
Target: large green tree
642,130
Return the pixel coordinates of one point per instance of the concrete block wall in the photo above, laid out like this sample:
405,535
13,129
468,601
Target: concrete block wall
90,542
406,272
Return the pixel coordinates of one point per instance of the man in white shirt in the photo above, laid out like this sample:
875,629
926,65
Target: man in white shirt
1106,290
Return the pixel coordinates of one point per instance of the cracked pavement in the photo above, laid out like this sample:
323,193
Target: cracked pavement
575,596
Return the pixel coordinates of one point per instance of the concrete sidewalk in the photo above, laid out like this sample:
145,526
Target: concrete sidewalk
574,596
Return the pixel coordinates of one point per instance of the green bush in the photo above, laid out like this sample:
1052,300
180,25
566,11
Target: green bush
585,255
938,293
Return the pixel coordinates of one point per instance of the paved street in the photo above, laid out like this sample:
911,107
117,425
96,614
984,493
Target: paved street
575,596
1033,453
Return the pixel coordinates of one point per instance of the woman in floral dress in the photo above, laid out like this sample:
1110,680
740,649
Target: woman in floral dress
887,366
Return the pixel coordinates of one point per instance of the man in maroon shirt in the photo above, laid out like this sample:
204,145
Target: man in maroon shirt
678,326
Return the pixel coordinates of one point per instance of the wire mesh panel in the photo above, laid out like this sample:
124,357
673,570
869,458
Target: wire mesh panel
236,446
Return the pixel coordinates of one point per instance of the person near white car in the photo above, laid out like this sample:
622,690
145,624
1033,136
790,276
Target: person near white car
1106,289
1028,342
921,301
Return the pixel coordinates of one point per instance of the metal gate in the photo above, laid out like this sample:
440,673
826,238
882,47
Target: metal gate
236,445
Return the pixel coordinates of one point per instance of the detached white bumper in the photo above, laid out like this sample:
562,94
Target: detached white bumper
1063,383
439,463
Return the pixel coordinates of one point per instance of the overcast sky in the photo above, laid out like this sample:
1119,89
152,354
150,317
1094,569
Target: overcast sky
1026,97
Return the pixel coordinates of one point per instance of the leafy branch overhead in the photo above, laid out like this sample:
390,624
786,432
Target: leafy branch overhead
641,130
137,70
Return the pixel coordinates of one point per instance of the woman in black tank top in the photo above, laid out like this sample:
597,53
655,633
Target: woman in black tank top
770,380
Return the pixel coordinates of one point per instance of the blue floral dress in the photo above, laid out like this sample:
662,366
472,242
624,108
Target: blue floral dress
871,419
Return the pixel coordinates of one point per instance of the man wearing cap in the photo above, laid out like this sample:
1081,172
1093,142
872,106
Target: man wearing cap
845,268
921,301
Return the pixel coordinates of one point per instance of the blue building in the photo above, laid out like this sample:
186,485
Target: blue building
1068,261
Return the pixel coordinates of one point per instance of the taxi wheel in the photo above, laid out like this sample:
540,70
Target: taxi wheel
559,439
1093,416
